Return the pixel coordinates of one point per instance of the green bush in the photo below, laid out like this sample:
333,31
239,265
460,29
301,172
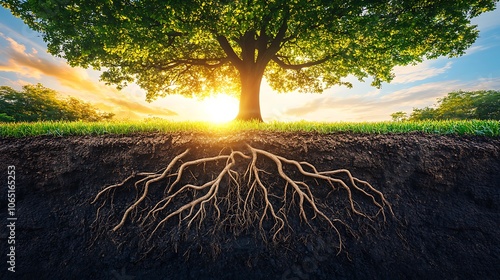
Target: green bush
38,103
461,105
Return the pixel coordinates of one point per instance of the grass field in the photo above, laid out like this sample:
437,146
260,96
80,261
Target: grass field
18,130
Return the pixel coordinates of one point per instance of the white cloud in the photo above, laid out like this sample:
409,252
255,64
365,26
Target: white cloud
18,48
26,36
419,72
485,84
475,49
372,107
419,95
488,20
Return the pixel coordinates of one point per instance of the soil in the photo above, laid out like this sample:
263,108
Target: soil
444,190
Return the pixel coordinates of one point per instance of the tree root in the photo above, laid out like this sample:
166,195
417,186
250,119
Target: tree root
245,199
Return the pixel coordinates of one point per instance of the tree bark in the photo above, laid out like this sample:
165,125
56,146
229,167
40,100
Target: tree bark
251,68
250,96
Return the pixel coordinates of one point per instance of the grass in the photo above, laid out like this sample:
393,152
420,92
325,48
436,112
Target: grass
18,130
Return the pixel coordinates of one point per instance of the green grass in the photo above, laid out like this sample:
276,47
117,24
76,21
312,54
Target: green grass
17,130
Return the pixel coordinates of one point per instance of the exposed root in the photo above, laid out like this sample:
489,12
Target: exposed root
239,201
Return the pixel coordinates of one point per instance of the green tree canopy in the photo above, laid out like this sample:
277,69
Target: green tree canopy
399,116
196,47
424,114
38,103
487,104
461,105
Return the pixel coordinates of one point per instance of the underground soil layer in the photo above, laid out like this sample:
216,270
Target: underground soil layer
444,191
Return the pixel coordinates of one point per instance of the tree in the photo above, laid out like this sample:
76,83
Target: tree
462,105
78,110
456,105
487,105
38,103
198,47
426,113
33,103
6,118
399,116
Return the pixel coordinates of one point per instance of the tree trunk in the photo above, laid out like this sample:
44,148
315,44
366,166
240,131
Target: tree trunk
250,96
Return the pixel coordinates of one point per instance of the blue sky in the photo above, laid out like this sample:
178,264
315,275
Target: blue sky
24,60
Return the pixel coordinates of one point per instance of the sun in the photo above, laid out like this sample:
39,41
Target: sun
220,108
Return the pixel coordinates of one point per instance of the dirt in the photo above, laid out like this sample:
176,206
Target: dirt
444,190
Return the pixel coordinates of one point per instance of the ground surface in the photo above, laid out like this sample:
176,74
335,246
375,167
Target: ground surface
444,190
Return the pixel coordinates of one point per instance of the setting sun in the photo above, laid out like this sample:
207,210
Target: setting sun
220,108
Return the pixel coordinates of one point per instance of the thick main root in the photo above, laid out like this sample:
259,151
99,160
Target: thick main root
245,197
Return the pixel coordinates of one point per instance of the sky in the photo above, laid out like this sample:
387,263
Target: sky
24,60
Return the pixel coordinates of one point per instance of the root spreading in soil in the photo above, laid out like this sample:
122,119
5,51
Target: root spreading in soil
237,197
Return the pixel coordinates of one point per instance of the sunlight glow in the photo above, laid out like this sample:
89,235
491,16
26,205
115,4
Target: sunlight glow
220,108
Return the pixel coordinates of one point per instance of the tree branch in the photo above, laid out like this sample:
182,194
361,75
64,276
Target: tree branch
207,62
284,65
275,46
231,55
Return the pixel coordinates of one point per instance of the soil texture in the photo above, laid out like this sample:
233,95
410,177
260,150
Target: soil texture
444,191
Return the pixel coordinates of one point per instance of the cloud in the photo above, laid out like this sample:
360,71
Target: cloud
310,106
25,35
475,49
141,109
76,80
485,84
369,107
422,71
488,20
18,48
35,66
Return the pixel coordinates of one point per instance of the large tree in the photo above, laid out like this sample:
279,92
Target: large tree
196,47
